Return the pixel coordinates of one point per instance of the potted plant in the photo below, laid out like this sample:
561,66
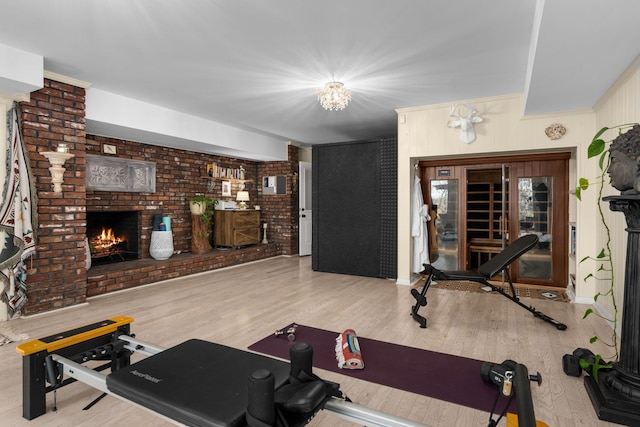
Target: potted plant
199,205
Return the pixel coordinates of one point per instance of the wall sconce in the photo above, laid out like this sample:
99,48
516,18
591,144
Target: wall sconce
57,159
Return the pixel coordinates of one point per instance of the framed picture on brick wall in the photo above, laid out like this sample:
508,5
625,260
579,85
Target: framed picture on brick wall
226,188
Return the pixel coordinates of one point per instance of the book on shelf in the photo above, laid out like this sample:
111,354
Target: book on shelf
216,171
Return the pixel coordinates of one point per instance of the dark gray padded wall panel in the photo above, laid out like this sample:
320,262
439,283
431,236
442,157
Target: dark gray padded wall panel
389,209
346,208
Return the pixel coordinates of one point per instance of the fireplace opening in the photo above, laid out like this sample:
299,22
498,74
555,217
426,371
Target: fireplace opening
112,236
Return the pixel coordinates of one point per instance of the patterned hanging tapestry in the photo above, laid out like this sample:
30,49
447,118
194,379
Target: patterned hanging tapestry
17,217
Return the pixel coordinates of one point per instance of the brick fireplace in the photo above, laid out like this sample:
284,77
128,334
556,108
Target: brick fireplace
57,275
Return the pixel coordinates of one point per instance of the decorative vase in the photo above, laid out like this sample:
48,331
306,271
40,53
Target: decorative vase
161,245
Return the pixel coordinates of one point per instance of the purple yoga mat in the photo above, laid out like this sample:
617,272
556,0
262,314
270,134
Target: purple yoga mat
442,376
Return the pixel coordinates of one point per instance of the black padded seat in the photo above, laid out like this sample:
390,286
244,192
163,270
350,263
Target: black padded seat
197,383
502,260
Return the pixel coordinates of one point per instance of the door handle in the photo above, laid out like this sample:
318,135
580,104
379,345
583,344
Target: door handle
303,216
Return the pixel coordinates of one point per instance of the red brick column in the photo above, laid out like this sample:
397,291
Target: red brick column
56,274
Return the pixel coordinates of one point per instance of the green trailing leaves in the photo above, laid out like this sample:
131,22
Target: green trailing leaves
597,144
583,183
594,367
599,134
596,148
601,162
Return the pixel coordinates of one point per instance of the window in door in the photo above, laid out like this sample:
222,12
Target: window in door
444,207
535,216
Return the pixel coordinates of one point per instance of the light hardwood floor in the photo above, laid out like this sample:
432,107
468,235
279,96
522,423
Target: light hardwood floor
238,306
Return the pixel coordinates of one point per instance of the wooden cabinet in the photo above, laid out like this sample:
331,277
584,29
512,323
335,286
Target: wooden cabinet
236,228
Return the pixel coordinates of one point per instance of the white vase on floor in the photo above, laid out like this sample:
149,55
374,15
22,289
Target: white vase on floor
161,245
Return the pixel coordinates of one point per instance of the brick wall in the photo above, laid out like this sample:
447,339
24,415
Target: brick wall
179,174
57,274
280,211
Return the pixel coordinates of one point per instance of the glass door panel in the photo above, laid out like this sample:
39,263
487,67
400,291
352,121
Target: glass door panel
444,202
487,202
535,217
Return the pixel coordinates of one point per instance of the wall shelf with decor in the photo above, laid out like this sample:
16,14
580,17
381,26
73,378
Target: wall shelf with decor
217,171
227,179
211,182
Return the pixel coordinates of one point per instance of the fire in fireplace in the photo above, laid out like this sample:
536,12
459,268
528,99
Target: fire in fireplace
112,236
106,244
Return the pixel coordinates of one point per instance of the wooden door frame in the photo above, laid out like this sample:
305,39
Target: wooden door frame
560,195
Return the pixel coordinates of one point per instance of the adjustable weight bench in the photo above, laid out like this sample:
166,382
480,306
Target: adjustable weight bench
195,383
497,264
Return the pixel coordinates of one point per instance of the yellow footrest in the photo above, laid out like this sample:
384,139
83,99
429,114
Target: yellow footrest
73,336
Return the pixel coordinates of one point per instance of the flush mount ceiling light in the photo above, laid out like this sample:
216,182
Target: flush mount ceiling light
334,96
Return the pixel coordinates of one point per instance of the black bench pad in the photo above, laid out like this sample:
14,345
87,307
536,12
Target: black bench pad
197,383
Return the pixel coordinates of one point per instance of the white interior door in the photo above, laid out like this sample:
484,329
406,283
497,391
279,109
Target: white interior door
304,220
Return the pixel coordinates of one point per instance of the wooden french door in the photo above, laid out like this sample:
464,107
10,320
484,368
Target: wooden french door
481,205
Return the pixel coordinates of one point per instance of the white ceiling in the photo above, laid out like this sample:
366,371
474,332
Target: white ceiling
257,64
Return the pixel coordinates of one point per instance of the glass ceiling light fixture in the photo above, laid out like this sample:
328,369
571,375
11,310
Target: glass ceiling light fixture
334,96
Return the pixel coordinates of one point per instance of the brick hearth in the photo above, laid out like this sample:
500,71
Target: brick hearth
113,277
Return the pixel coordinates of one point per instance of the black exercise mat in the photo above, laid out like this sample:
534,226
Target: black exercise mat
442,376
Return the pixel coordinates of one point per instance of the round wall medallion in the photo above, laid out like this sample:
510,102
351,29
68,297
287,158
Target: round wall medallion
555,131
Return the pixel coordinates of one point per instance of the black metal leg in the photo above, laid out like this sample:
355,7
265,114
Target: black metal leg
34,394
513,297
421,301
